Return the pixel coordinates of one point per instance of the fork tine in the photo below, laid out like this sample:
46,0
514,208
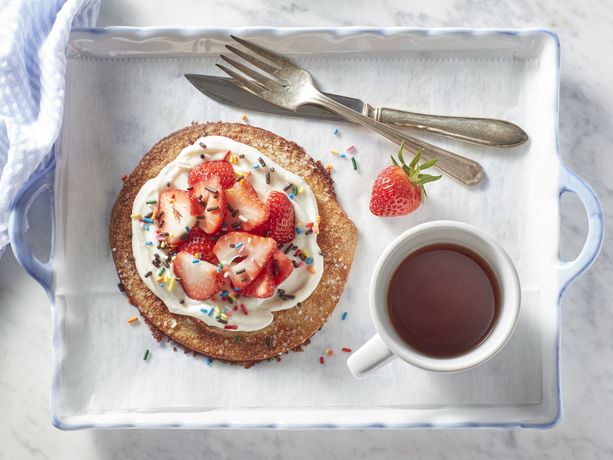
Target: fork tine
273,57
251,86
257,76
253,60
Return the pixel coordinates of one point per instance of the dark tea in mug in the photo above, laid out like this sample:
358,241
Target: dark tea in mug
443,300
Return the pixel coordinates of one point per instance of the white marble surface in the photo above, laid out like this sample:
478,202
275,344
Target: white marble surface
586,113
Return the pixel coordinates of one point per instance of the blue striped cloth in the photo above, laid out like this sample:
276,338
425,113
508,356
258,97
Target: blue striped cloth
33,36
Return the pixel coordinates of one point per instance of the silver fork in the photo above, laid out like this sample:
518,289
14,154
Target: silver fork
287,85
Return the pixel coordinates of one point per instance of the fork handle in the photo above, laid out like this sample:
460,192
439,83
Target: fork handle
462,169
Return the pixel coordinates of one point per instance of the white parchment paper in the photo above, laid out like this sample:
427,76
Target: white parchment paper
117,108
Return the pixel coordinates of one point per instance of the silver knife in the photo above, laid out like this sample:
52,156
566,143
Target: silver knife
482,131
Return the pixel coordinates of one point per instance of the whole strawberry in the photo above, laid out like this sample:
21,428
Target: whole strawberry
399,189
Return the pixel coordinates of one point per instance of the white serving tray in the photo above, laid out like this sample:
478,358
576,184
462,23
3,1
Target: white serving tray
125,90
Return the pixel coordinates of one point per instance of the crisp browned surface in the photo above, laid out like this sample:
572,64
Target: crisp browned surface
290,328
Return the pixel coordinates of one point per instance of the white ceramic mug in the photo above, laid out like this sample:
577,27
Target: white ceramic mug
387,345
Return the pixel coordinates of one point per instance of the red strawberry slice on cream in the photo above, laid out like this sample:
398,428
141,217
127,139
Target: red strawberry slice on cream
200,245
175,214
219,168
277,269
282,267
209,203
246,206
281,223
198,278
244,255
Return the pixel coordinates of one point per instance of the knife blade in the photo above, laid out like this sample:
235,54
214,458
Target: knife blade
222,90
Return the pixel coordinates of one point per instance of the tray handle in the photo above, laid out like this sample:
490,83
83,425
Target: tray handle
39,183
568,271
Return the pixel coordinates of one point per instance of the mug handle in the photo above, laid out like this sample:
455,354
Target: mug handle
370,356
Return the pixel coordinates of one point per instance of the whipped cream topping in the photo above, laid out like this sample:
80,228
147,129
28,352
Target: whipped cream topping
257,313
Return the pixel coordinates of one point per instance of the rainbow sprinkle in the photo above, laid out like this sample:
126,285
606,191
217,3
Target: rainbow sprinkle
132,320
146,355
335,131
346,349
344,316
209,362
354,163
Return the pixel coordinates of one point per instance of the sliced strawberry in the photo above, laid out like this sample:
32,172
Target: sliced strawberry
282,267
244,255
175,214
210,202
249,209
263,285
277,269
281,223
199,245
199,280
219,168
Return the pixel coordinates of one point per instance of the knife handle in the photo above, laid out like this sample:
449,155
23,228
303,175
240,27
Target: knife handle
482,131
